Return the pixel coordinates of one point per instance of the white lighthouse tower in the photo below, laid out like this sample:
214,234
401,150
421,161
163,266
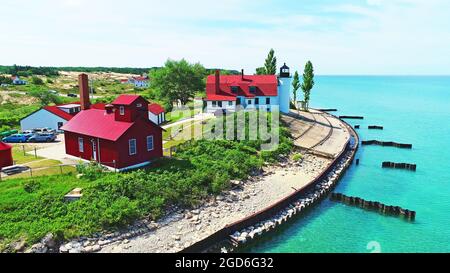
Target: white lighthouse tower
284,88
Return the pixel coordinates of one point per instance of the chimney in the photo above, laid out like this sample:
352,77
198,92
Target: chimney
109,108
242,74
83,83
217,81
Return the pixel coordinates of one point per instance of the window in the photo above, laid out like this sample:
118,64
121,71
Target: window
214,103
80,145
139,105
230,103
122,110
257,101
234,89
220,103
267,100
150,143
249,102
252,89
132,146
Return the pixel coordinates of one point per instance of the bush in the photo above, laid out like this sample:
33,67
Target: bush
31,186
297,157
91,171
36,80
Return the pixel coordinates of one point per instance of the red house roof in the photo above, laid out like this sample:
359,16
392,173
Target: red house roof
265,85
5,147
125,99
97,123
155,109
60,113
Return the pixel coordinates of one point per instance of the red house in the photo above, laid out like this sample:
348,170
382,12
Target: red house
120,136
5,155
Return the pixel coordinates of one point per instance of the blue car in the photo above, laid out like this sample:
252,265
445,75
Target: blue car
17,138
46,137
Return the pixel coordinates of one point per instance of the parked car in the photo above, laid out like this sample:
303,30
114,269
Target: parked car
16,138
54,92
42,137
43,130
72,95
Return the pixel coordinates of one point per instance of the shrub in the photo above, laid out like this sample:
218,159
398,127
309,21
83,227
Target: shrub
31,186
297,157
91,171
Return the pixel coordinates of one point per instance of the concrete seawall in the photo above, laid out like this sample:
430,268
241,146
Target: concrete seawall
243,231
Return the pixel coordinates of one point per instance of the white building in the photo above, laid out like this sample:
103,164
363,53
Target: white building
141,82
17,81
53,117
227,92
156,113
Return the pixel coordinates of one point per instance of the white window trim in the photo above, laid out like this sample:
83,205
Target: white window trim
153,143
129,146
81,147
122,110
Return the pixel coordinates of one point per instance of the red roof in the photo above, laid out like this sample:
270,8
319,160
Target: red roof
60,113
5,147
155,109
125,99
97,123
64,115
266,85
140,79
220,97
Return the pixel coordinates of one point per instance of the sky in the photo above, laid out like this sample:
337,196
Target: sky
356,37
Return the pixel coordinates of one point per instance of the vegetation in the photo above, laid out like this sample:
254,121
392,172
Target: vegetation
297,157
5,80
308,82
178,81
27,71
36,80
46,97
271,63
295,87
11,114
32,207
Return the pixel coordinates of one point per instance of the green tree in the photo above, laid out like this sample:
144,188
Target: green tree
178,81
260,71
36,80
295,87
45,96
308,82
270,64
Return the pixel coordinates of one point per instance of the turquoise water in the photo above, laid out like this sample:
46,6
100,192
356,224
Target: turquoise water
412,110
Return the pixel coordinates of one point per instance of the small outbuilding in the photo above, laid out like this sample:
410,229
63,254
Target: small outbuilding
156,113
6,158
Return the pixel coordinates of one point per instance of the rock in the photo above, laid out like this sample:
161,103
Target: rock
18,246
188,215
63,249
49,241
176,237
219,198
195,211
75,250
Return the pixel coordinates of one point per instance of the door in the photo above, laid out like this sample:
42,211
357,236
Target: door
60,124
94,151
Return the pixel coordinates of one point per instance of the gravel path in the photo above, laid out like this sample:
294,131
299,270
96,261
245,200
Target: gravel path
183,228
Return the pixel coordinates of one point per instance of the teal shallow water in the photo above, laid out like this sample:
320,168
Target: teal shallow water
412,110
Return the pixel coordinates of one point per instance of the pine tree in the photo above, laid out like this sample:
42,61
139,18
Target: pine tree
308,82
295,86
270,64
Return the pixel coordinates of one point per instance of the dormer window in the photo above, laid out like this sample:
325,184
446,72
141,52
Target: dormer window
252,89
234,89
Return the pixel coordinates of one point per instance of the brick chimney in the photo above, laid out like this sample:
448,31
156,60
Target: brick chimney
242,74
83,83
217,81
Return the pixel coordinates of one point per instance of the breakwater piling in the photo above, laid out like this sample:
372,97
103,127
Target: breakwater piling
374,206
328,110
404,166
357,126
387,143
351,117
376,127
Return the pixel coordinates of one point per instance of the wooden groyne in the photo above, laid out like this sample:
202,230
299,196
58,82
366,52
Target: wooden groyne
387,143
404,166
327,110
351,117
357,126
376,127
374,206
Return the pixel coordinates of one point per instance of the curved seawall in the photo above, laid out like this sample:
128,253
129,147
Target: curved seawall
257,224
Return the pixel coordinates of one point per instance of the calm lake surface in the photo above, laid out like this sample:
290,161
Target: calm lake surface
412,110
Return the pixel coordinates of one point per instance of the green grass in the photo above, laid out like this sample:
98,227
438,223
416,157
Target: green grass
20,157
